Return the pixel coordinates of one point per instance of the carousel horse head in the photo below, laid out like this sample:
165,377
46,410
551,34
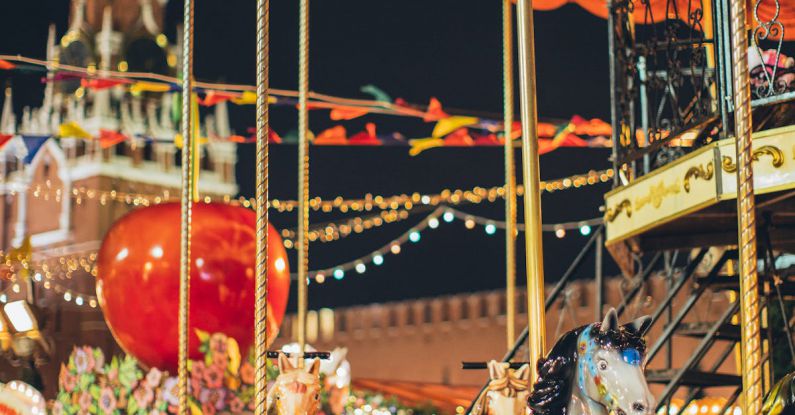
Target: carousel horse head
506,393
595,370
296,391
337,371
781,399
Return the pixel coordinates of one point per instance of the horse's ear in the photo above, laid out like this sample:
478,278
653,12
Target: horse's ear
523,372
496,369
639,325
611,321
315,368
284,363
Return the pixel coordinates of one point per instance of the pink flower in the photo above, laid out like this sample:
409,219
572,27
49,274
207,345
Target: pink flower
83,362
235,405
144,396
85,401
247,373
153,377
214,377
171,391
107,401
67,380
218,343
197,369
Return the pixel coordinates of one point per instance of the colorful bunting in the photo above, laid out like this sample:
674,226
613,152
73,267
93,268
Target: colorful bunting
347,113
6,65
146,86
108,138
448,125
72,129
366,137
376,92
4,139
434,112
33,145
102,83
334,136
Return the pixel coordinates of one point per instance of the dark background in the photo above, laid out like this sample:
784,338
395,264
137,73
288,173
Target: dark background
410,49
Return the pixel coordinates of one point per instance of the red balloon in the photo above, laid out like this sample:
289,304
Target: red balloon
138,279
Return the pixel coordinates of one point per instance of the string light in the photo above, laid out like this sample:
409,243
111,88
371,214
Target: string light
433,223
378,259
448,216
491,229
560,232
339,274
361,268
320,278
369,202
414,236
395,248
585,229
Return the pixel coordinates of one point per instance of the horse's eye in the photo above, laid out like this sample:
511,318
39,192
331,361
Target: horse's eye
278,397
317,396
602,365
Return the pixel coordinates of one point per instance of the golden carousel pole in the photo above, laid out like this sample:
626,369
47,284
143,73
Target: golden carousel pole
261,284
751,350
510,174
188,178
534,251
302,237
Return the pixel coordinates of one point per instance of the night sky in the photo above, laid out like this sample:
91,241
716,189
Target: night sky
411,49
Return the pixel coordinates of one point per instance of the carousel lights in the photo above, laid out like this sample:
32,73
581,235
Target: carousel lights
414,236
448,216
585,229
378,259
433,223
491,229
339,274
560,232
361,268
395,248
320,278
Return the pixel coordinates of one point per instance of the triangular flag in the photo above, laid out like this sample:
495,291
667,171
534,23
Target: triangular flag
215,97
109,138
418,145
102,83
448,125
4,64
73,129
365,138
434,112
334,136
376,92
145,86
347,113
4,139
33,144
459,138
246,98
487,140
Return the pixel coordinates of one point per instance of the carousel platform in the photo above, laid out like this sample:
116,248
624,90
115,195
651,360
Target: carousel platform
691,202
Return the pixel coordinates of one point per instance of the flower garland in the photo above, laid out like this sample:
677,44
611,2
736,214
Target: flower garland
220,383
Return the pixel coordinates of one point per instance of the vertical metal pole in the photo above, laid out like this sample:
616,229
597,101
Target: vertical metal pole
532,197
261,283
746,215
510,174
188,173
614,113
599,276
644,111
303,173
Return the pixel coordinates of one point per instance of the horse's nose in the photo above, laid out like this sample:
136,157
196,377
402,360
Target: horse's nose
639,406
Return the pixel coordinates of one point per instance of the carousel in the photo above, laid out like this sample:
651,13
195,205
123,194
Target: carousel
700,212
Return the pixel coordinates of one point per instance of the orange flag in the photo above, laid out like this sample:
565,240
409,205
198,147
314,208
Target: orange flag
109,138
334,136
434,112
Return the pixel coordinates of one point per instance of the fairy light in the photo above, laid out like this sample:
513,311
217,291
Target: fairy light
433,223
378,259
320,278
67,296
361,268
414,236
560,232
585,230
469,223
339,274
79,300
491,229
395,248
448,216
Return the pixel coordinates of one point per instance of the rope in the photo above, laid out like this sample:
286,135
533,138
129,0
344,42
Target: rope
261,289
187,200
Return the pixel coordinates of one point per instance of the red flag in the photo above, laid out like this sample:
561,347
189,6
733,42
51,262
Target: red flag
4,64
4,139
109,138
347,113
273,138
334,136
215,97
459,138
434,112
102,83
366,137
487,140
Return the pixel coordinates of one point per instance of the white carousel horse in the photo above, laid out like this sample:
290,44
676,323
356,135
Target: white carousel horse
296,391
19,398
595,370
337,372
507,391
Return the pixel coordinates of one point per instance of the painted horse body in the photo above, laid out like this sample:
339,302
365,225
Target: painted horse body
507,391
595,370
296,391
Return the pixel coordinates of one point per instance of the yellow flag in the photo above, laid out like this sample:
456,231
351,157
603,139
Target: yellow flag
72,129
250,98
419,145
144,86
448,125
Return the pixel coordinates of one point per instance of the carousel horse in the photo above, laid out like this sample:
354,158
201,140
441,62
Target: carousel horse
506,393
296,391
781,399
595,370
19,398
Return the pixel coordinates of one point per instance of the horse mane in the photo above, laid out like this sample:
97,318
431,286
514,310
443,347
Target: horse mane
553,388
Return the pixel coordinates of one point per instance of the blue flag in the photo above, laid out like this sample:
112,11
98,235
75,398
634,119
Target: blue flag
33,143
